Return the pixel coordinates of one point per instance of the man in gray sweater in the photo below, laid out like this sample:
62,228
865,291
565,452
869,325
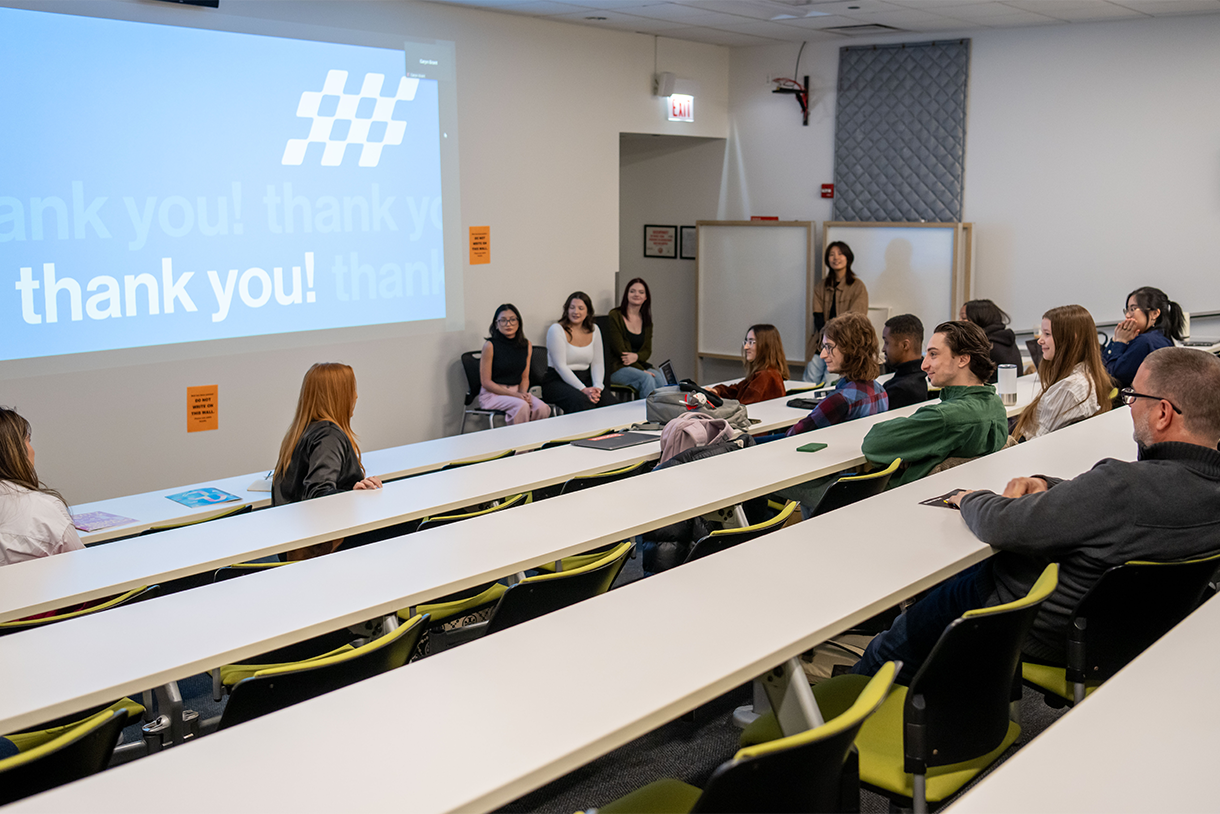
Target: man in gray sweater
1164,506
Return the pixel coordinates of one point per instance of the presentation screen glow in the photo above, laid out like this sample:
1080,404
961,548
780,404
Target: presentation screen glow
166,185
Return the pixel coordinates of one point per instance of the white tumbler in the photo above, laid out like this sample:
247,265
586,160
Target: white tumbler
1007,385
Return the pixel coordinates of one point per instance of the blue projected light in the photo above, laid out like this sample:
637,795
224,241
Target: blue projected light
167,184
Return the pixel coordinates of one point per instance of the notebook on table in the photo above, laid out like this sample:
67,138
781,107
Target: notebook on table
616,440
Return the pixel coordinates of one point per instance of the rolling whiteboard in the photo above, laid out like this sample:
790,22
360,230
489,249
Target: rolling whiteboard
751,272
913,268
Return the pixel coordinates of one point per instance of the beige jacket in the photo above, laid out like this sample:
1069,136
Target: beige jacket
846,298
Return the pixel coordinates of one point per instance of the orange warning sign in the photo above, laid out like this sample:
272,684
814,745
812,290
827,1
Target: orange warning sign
480,245
203,408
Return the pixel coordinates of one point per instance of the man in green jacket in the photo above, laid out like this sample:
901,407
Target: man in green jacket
968,421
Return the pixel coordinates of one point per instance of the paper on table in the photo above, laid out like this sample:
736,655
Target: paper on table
95,521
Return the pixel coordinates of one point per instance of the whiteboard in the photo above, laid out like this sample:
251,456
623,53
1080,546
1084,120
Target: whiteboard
918,269
750,272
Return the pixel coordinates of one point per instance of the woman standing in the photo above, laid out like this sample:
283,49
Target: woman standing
1072,381
319,455
762,353
1151,321
629,336
994,322
575,378
34,519
840,293
849,348
504,369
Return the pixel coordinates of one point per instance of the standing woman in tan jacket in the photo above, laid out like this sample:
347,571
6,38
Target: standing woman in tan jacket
840,292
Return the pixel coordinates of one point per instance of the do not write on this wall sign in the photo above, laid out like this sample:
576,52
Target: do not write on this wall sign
203,408
660,241
480,245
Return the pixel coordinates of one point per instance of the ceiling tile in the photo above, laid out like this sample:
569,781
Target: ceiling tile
616,5
810,23
538,8
1018,19
1106,12
716,37
1161,8
760,28
981,10
617,21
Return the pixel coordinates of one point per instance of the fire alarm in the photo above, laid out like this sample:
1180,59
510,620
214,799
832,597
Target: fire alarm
828,190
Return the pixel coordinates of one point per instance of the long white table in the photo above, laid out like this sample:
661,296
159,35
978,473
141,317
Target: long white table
646,653
54,582
54,671
1144,741
154,508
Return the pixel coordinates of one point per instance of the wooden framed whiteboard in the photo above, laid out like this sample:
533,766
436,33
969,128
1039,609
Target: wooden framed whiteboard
910,268
749,272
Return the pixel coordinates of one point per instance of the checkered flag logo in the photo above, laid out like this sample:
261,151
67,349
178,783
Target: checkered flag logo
359,118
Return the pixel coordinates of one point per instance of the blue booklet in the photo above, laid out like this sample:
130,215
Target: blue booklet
203,497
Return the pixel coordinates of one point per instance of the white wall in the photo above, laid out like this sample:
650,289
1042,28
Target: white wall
541,106
667,180
1092,158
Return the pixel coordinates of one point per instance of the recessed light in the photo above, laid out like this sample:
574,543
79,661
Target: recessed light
596,19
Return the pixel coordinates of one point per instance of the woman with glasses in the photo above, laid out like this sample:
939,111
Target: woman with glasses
849,348
762,353
1072,381
504,369
1150,321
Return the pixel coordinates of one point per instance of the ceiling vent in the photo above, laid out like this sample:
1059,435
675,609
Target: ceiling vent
864,30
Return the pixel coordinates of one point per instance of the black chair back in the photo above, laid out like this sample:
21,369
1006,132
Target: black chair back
129,598
725,539
847,490
87,753
259,695
470,366
589,481
1129,608
538,365
536,596
957,706
444,520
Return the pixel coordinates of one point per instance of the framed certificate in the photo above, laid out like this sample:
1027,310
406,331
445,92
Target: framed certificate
688,244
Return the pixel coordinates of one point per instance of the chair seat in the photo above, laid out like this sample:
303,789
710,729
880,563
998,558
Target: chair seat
576,560
880,741
1052,680
881,756
665,796
230,674
444,611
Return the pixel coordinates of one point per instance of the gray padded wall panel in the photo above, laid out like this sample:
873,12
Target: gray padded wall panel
900,132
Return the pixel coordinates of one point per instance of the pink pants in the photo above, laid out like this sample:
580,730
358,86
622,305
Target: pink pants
518,411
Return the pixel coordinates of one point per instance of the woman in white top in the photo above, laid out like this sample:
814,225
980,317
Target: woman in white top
1072,380
576,368
34,520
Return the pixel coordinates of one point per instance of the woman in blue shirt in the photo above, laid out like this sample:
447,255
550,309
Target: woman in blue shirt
1150,321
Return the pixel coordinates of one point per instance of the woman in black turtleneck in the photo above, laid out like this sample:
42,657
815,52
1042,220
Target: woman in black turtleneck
504,369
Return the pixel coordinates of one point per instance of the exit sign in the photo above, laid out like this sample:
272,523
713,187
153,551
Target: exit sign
681,108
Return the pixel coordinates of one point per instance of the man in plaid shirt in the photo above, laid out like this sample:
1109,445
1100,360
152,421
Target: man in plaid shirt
849,346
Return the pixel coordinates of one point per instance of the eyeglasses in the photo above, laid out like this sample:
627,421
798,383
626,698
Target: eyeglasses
829,347
1129,396
1131,309
506,321
751,342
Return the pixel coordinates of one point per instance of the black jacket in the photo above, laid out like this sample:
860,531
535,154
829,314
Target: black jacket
908,386
324,462
1004,350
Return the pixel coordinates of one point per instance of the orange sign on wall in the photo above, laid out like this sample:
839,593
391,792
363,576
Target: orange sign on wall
480,245
203,408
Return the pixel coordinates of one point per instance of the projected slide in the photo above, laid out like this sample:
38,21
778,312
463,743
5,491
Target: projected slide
166,185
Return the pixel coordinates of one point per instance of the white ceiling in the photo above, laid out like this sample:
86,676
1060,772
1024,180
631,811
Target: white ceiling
765,22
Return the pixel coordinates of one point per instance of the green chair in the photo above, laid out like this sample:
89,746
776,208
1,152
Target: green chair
277,686
930,739
535,596
134,595
508,453
1128,609
722,539
242,569
506,503
563,442
851,488
803,772
231,511
76,753
580,483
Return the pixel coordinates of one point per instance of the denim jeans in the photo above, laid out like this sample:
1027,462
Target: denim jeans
642,381
914,633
